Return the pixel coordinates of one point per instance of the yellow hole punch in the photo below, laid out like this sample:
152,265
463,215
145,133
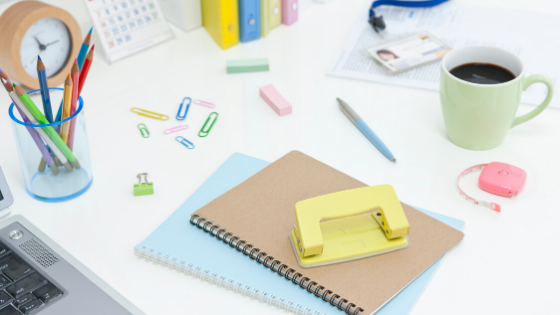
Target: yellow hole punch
341,227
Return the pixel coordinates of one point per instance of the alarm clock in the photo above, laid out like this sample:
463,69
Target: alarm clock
32,28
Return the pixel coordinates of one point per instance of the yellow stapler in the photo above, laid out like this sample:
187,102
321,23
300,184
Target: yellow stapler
341,226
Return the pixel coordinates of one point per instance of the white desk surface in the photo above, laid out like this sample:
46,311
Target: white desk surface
508,262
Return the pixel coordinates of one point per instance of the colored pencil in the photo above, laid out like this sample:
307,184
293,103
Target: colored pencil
83,52
34,134
57,141
85,69
67,107
45,94
75,73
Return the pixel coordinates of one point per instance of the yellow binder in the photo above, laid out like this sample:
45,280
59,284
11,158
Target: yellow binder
221,20
341,226
271,15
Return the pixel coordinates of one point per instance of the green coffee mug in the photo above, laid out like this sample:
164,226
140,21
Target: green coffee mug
478,116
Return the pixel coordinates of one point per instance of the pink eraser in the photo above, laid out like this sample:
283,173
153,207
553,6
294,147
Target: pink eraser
275,100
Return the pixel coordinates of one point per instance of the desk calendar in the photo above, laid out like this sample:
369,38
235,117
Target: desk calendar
128,26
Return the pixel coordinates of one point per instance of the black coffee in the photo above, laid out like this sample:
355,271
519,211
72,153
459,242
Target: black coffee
482,73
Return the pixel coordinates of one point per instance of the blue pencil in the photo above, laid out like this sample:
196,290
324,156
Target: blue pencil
45,95
81,57
366,130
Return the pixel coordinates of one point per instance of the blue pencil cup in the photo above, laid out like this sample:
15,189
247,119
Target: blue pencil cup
55,183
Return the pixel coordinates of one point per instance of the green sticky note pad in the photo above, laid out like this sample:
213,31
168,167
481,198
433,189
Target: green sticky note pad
143,189
251,65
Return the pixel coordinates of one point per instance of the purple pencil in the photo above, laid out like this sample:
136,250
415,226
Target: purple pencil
38,141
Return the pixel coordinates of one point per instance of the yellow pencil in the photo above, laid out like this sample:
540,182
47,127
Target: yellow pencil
66,109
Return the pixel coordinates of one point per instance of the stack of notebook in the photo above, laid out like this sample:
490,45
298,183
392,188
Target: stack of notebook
253,202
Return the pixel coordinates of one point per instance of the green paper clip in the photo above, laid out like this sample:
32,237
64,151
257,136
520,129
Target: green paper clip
144,130
143,189
206,128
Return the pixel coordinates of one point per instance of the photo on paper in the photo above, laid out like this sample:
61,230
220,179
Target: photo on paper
410,52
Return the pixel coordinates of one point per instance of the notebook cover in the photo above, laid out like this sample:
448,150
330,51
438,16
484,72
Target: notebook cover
261,212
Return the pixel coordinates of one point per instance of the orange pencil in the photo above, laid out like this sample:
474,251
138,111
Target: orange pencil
67,104
85,69
74,105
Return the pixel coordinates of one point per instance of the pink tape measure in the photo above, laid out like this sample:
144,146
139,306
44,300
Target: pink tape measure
496,178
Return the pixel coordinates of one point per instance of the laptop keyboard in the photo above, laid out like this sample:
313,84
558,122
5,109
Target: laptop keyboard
22,289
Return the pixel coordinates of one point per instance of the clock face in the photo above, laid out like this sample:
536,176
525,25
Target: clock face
50,39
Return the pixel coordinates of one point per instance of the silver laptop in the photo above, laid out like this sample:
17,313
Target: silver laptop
39,277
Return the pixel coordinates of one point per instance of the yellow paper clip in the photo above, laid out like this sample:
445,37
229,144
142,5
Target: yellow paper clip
147,113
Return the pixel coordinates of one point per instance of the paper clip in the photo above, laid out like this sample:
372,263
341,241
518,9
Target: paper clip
147,113
206,128
144,130
175,129
204,103
185,142
188,105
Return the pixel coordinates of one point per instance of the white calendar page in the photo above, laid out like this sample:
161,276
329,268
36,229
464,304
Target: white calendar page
128,26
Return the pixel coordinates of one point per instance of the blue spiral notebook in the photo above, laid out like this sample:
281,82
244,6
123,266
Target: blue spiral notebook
181,246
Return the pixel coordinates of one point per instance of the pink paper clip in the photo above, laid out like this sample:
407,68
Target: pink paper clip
175,129
204,103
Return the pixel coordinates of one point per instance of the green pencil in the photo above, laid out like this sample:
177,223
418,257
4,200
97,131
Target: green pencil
41,119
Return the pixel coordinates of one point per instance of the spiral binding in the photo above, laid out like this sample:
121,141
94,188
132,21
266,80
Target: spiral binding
221,281
275,265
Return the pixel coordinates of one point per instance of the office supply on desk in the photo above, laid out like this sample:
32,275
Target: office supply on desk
210,121
204,258
182,140
186,103
290,10
45,95
275,100
408,53
365,129
478,115
271,15
452,22
144,130
497,178
143,189
185,14
175,129
378,23
47,280
249,20
6,198
75,74
84,70
70,182
316,237
221,20
149,114
32,122
30,28
204,103
247,65
126,27
261,210
67,108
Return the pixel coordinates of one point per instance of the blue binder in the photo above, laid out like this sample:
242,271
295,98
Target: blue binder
249,20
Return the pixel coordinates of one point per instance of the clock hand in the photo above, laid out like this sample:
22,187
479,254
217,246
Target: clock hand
56,41
41,46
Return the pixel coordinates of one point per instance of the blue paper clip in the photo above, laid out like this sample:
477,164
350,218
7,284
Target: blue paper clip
185,142
182,117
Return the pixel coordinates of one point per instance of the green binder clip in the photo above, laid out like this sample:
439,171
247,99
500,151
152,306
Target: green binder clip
143,189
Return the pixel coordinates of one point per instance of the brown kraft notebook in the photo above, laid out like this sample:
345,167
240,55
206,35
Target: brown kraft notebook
257,216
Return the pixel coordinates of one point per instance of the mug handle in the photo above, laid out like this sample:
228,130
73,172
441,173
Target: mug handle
528,81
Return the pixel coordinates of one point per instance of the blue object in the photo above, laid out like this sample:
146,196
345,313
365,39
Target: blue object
364,128
176,240
45,95
377,21
187,106
373,138
249,20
